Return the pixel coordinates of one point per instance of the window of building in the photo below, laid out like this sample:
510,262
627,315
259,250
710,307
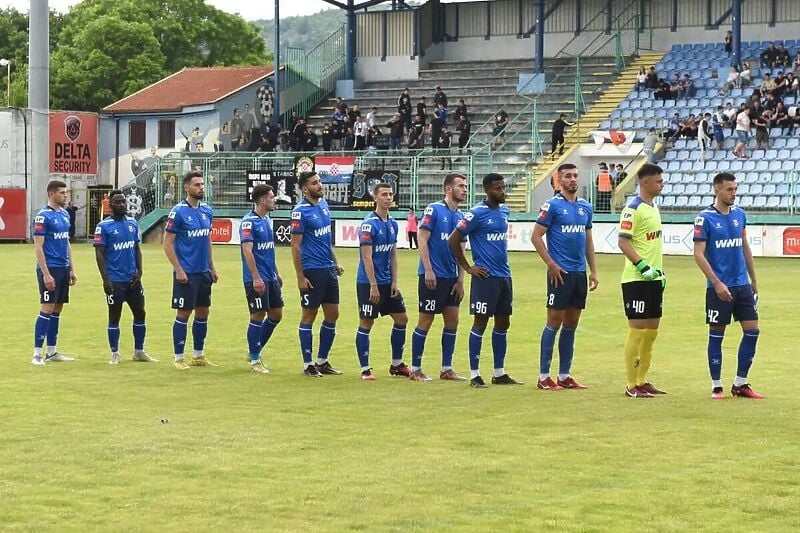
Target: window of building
137,134
166,134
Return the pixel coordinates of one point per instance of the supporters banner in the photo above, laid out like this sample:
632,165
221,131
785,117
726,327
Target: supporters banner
620,139
13,216
282,181
73,143
336,174
364,182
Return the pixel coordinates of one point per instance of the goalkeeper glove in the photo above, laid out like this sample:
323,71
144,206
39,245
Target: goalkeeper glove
648,273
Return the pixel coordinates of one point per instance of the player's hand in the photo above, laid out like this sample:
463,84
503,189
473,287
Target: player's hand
181,277
647,272
556,274
280,281
723,293
339,269
73,279
478,272
108,287
662,277
374,294
303,284
593,281
259,286
136,277
458,290
49,282
430,279
214,275
395,291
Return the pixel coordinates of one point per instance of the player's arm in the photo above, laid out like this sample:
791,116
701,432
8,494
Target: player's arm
748,261
339,268
594,281
393,264
456,246
214,275
250,262
423,234
554,271
169,250
369,270
73,279
100,259
139,265
458,287
625,244
38,246
297,260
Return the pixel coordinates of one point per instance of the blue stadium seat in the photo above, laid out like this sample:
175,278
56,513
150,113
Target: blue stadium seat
743,189
625,104
647,104
678,188
774,165
756,188
681,201
788,166
690,189
784,204
637,113
711,165
683,155
765,177
746,201
658,104
751,177
773,202
762,166
774,132
680,144
669,104
782,189
626,113
793,142
686,166
760,202
605,125
695,201
673,166
778,177
735,165
669,201
635,104
704,189
769,189
688,177
779,144
749,165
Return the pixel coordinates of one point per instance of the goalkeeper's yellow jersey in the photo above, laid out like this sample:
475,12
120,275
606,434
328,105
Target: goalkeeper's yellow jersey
641,223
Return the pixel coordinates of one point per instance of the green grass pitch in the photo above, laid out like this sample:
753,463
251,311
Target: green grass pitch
82,444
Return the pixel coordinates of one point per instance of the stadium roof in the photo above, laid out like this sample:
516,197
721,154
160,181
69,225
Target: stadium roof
190,87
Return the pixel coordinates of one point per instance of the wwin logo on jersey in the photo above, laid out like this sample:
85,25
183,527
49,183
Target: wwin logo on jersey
199,232
127,245
383,248
322,231
728,243
573,228
61,235
495,236
265,246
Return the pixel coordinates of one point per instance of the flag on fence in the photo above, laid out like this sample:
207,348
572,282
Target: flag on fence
335,169
620,139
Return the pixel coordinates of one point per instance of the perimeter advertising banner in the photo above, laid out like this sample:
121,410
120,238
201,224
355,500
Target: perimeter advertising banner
73,143
13,217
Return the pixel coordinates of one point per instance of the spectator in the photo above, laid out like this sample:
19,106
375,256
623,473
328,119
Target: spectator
499,131
557,140
441,112
445,141
673,127
676,87
463,128
780,119
422,110
730,113
742,133
349,139
461,110
327,137
792,85
779,90
404,107
310,141
360,133
337,128
664,91
746,75
641,80
411,229
264,144
794,117
605,189
396,128
440,97
341,105
435,131
797,63
770,102
762,122
372,117
704,136
72,211
718,122
769,57
652,79
689,127
417,134
687,86
649,145
783,57
729,42
298,133
621,175
768,85
730,83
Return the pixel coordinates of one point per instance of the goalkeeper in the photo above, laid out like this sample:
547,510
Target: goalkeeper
643,280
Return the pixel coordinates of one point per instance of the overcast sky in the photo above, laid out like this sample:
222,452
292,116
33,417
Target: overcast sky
249,9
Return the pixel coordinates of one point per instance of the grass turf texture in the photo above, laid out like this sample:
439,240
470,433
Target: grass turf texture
83,445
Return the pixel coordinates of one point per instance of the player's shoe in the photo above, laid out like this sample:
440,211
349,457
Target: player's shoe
258,367
418,375
478,383
327,368
648,387
570,383
637,392
548,384
505,379
367,375
114,359
202,361
717,393
312,372
400,370
745,391
58,358
450,375
180,364
37,360
144,358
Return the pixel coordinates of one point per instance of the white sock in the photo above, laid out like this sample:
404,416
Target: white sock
416,368
444,368
499,372
321,361
179,357
397,362
138,352
364,368
739,381
37,352
197,354
51,350
562,377
474,373
306,365
543,377
114,354
716,383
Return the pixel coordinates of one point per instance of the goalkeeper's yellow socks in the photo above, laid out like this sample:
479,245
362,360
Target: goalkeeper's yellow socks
645,354
632,344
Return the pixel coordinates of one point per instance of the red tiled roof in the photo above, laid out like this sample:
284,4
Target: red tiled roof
190,87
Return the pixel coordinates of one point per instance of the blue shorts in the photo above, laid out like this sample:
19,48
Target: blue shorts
271,299
569,295
743,306
325,290
719,135
130,293
434,301
59,294
491,296
387,305
196,293
742,136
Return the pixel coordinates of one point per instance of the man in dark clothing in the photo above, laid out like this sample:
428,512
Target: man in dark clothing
349,139
464,128
769,57
396,128
435,131
418,132
422,110
298,134
558,134
444,144
461,110
72,211
498,133
404,107
440,97
327,137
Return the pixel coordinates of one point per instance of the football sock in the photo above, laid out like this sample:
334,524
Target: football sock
254,339
645,354
306,342
199,331
448,348
362,347
139,333
267,327
179,329
398,340
715,354
747,351
632,343
475,342
499,346
40,328
327,332
52,333
113,337
499,372
546,344
417,347
566,350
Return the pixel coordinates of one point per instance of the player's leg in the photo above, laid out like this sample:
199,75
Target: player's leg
718,316
327,330
136,304
310,302
502,321
426,313
653,305
254,341
274,313
395,307
42,323
578,291
633,296
200,323
60,297
449,335
114,302
183,301
480,294
367,319
746,312
556,304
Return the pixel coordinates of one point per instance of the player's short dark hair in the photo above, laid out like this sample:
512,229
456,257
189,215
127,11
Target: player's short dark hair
379,186
262,189
450,178
192,174
565,166
722,177
55,185
115,192
490,179
648,170
304,177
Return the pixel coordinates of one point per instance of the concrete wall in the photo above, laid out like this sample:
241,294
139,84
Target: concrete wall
12,147
394,68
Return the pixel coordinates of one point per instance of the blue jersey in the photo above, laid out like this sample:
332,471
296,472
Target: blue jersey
488,237
258,230
313,222
381,235
724,236
440,221
53,225
566,224
192,229
119,239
